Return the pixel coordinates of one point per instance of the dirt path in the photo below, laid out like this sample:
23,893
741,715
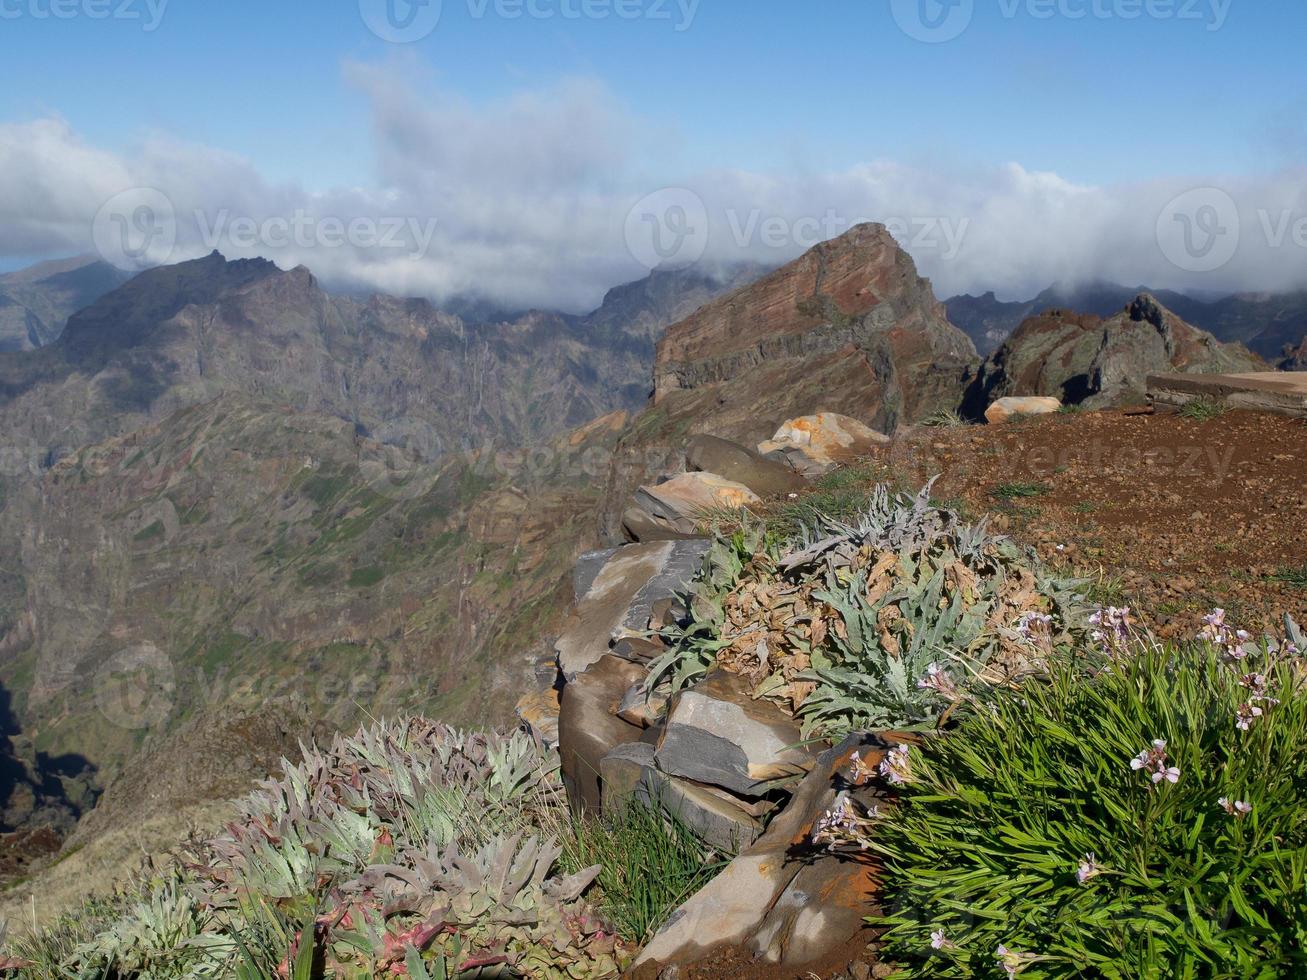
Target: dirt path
1170,515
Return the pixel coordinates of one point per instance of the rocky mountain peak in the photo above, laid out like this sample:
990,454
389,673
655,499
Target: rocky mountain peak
1082,358
859,292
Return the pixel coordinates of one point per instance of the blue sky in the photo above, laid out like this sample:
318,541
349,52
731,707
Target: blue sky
785,90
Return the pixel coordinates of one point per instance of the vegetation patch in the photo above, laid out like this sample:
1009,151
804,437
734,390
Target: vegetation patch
1141,820
894,620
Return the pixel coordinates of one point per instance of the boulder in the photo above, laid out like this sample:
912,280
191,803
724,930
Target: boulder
588,726
719,735
678,505
640,526
765,477
621,597
1008,408
816,444
629,773
791,904
1086,360
539,713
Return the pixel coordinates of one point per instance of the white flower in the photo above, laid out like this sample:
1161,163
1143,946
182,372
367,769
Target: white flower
939,682
1246,715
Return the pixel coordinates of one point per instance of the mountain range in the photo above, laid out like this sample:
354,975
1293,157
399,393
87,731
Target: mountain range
1269,324
228,492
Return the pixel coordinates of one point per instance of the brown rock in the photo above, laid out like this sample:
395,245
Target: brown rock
588,726
816,444
539,712
678,505
1009,408
789,903
1086,360
765,477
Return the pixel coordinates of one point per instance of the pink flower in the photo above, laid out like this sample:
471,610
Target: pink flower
1153,761
1236,808
1088,870
939,941
939,682
1246,715
896,766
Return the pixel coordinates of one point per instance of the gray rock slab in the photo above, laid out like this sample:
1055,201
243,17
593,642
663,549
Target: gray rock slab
621,597
719,735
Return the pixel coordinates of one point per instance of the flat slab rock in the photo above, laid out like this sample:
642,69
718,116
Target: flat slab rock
765,477
628,773
620,597
1282,392
717,734
789,904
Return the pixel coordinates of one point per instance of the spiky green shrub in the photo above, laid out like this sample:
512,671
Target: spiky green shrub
889,621
1145,823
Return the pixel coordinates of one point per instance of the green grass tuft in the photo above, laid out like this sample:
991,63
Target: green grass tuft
1203,409
652,862
1018,491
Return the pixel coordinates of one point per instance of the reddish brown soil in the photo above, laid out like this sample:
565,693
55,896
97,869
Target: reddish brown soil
1170,515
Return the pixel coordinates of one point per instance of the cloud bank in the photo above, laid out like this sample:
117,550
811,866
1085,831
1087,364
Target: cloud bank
550,197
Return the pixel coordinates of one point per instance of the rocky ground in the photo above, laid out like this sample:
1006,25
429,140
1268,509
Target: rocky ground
1168,514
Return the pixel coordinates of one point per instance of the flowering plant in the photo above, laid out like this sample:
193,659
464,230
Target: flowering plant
1125,824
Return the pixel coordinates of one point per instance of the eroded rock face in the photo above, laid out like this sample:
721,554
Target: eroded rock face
816,444
859,292
1082,359
1295,360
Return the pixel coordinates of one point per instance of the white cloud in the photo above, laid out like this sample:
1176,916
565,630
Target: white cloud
530,197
